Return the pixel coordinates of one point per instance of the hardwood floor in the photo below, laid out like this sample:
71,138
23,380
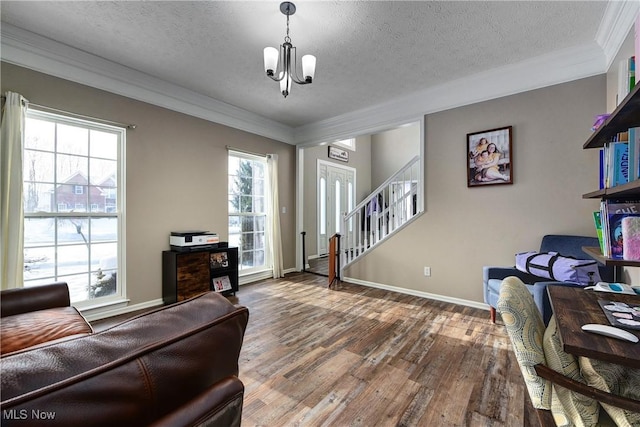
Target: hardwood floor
319,265
357,356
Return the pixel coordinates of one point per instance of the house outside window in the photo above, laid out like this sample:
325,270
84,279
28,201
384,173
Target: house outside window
247,211
69,164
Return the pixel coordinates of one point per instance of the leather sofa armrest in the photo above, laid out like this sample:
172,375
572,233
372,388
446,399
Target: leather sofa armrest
220,405
24,300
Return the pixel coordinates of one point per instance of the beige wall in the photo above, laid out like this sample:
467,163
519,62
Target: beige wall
391,150
359,160
463,228
175,163
176,175
626,50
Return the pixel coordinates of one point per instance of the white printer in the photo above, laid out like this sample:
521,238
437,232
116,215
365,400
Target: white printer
192,240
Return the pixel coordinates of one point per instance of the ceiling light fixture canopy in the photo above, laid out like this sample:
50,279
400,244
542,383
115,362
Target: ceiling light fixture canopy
286,75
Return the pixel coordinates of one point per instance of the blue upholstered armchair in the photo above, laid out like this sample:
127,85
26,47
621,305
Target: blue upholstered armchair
565,245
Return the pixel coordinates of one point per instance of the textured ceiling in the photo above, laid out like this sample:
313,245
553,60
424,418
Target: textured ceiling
368,52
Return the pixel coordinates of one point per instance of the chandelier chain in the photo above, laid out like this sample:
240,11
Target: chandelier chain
287,39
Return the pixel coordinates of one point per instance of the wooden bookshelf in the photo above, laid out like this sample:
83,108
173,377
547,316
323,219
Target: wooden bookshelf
628,190
625,116
597,255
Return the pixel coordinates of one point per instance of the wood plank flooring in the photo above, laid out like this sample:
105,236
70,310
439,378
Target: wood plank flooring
357,356
319,265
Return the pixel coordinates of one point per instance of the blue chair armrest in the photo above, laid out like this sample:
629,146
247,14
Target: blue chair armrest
494,272
500,273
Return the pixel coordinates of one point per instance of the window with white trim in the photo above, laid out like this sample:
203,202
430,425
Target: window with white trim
247,211
349,144
69,164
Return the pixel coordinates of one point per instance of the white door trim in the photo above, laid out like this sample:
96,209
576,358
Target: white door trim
347,170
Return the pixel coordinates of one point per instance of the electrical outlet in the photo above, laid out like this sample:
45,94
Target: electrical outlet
427,271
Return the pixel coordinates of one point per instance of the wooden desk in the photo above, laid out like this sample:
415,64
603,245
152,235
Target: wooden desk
574,307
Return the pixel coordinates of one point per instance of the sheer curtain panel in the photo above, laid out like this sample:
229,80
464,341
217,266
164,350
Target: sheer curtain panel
274,215
11,207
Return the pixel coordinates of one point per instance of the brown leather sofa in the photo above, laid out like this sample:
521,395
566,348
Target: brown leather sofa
37,315
174,366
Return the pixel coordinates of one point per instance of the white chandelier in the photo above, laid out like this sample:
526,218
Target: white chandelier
286,75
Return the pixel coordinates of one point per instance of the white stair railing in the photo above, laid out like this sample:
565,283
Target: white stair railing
381,213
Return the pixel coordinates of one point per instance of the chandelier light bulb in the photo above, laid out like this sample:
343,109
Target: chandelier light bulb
308,67
270,60
285,84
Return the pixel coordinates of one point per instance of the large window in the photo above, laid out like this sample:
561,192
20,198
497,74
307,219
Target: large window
72,173
247,210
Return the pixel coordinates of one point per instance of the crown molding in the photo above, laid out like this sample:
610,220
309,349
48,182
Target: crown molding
545,70
618,19
29,50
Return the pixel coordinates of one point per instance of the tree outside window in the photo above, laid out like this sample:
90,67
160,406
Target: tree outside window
247,212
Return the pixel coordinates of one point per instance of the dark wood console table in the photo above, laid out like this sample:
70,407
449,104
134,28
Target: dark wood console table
574,307
187,274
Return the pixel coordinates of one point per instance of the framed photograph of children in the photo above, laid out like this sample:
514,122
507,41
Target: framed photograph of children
489,157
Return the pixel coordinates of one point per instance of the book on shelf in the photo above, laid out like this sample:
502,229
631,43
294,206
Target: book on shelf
626,77
601,179
631,238
598,223
612,212
616,161
620,166
632,72
634,153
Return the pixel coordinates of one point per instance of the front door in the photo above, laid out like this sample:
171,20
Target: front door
336,197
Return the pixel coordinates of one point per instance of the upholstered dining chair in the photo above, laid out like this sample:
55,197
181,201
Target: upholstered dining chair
553,378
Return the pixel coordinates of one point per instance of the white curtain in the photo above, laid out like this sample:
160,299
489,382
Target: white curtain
11,208
273,228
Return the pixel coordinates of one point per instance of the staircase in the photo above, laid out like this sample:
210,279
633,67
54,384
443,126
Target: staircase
384,212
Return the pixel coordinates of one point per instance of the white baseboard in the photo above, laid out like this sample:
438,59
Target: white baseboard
254,277
104,312
262,275
421,294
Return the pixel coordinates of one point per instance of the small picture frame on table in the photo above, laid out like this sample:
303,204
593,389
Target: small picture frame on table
221,284
489,157
218,260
